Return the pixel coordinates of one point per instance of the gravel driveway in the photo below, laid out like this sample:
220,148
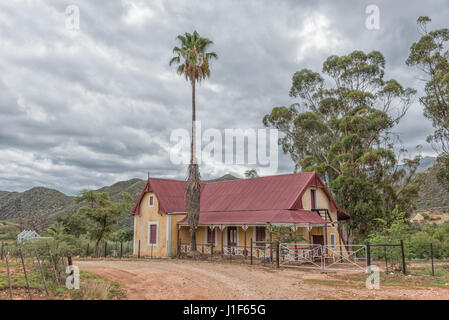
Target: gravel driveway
183,279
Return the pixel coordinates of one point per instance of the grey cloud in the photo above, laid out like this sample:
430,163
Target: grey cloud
84,110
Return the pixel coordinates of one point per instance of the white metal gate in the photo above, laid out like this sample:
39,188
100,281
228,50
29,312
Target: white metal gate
345,257
337,257
300,255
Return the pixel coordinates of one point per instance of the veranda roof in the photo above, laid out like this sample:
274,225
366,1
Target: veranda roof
258,217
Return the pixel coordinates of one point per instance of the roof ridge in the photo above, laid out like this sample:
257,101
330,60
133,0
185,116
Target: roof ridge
275,175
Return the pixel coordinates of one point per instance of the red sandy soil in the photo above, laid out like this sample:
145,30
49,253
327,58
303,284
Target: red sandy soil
185,279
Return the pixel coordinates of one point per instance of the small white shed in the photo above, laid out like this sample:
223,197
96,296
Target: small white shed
28,235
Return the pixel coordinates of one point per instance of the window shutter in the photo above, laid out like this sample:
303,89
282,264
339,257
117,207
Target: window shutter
260,233
210,235
313,199
153,233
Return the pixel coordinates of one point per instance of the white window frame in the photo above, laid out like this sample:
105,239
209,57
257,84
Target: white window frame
226,235
151,197
157,233
332,237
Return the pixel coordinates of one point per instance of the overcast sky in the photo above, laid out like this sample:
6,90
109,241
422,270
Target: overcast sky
84,109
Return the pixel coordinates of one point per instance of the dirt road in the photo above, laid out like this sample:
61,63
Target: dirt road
175,279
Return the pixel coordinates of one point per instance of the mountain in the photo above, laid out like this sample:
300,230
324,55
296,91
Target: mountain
38,199
54,203
424,164
133,187
226,177
432,194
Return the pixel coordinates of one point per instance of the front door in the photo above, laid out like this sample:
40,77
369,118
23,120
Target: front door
318,240
232,236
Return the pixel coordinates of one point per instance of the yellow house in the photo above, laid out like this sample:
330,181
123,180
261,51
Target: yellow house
234,214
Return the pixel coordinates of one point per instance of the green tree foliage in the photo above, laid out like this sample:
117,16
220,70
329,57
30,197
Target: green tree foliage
252,173
123,235
417,238
431,55
74,224
341,128
193,60
102,213
284,233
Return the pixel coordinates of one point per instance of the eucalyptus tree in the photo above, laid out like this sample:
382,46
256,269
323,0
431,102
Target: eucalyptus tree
193,59
341,127
430,54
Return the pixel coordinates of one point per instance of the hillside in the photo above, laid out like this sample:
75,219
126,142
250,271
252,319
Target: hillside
38,199
432,194
54,203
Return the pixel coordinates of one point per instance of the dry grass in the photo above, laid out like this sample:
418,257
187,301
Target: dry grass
94,290
95,287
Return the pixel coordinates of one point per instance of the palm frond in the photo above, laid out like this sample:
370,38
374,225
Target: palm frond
173,60
210,55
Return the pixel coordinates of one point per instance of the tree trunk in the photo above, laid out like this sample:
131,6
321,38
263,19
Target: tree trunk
193,142
193,240
193,188
97,243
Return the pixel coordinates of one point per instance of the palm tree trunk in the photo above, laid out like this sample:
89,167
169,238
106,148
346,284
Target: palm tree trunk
193,142
193,189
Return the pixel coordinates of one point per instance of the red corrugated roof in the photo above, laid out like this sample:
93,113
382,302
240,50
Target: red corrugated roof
264,193
280,192
169,193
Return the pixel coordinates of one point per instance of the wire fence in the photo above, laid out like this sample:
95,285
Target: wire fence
40,266
256,252
391,258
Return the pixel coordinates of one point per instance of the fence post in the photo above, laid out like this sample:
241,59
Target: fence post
404,267
42,271
9,275
87,250
277,254
230,254
105,248
368,258
1,253
121,249
138,252
431,256
25,273
251,251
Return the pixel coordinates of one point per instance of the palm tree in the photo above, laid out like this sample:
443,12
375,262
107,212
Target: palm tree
193,61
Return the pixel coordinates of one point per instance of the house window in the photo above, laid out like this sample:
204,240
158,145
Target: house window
211,235
313,199
153,234
260,236
232,236
332,240
151,201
